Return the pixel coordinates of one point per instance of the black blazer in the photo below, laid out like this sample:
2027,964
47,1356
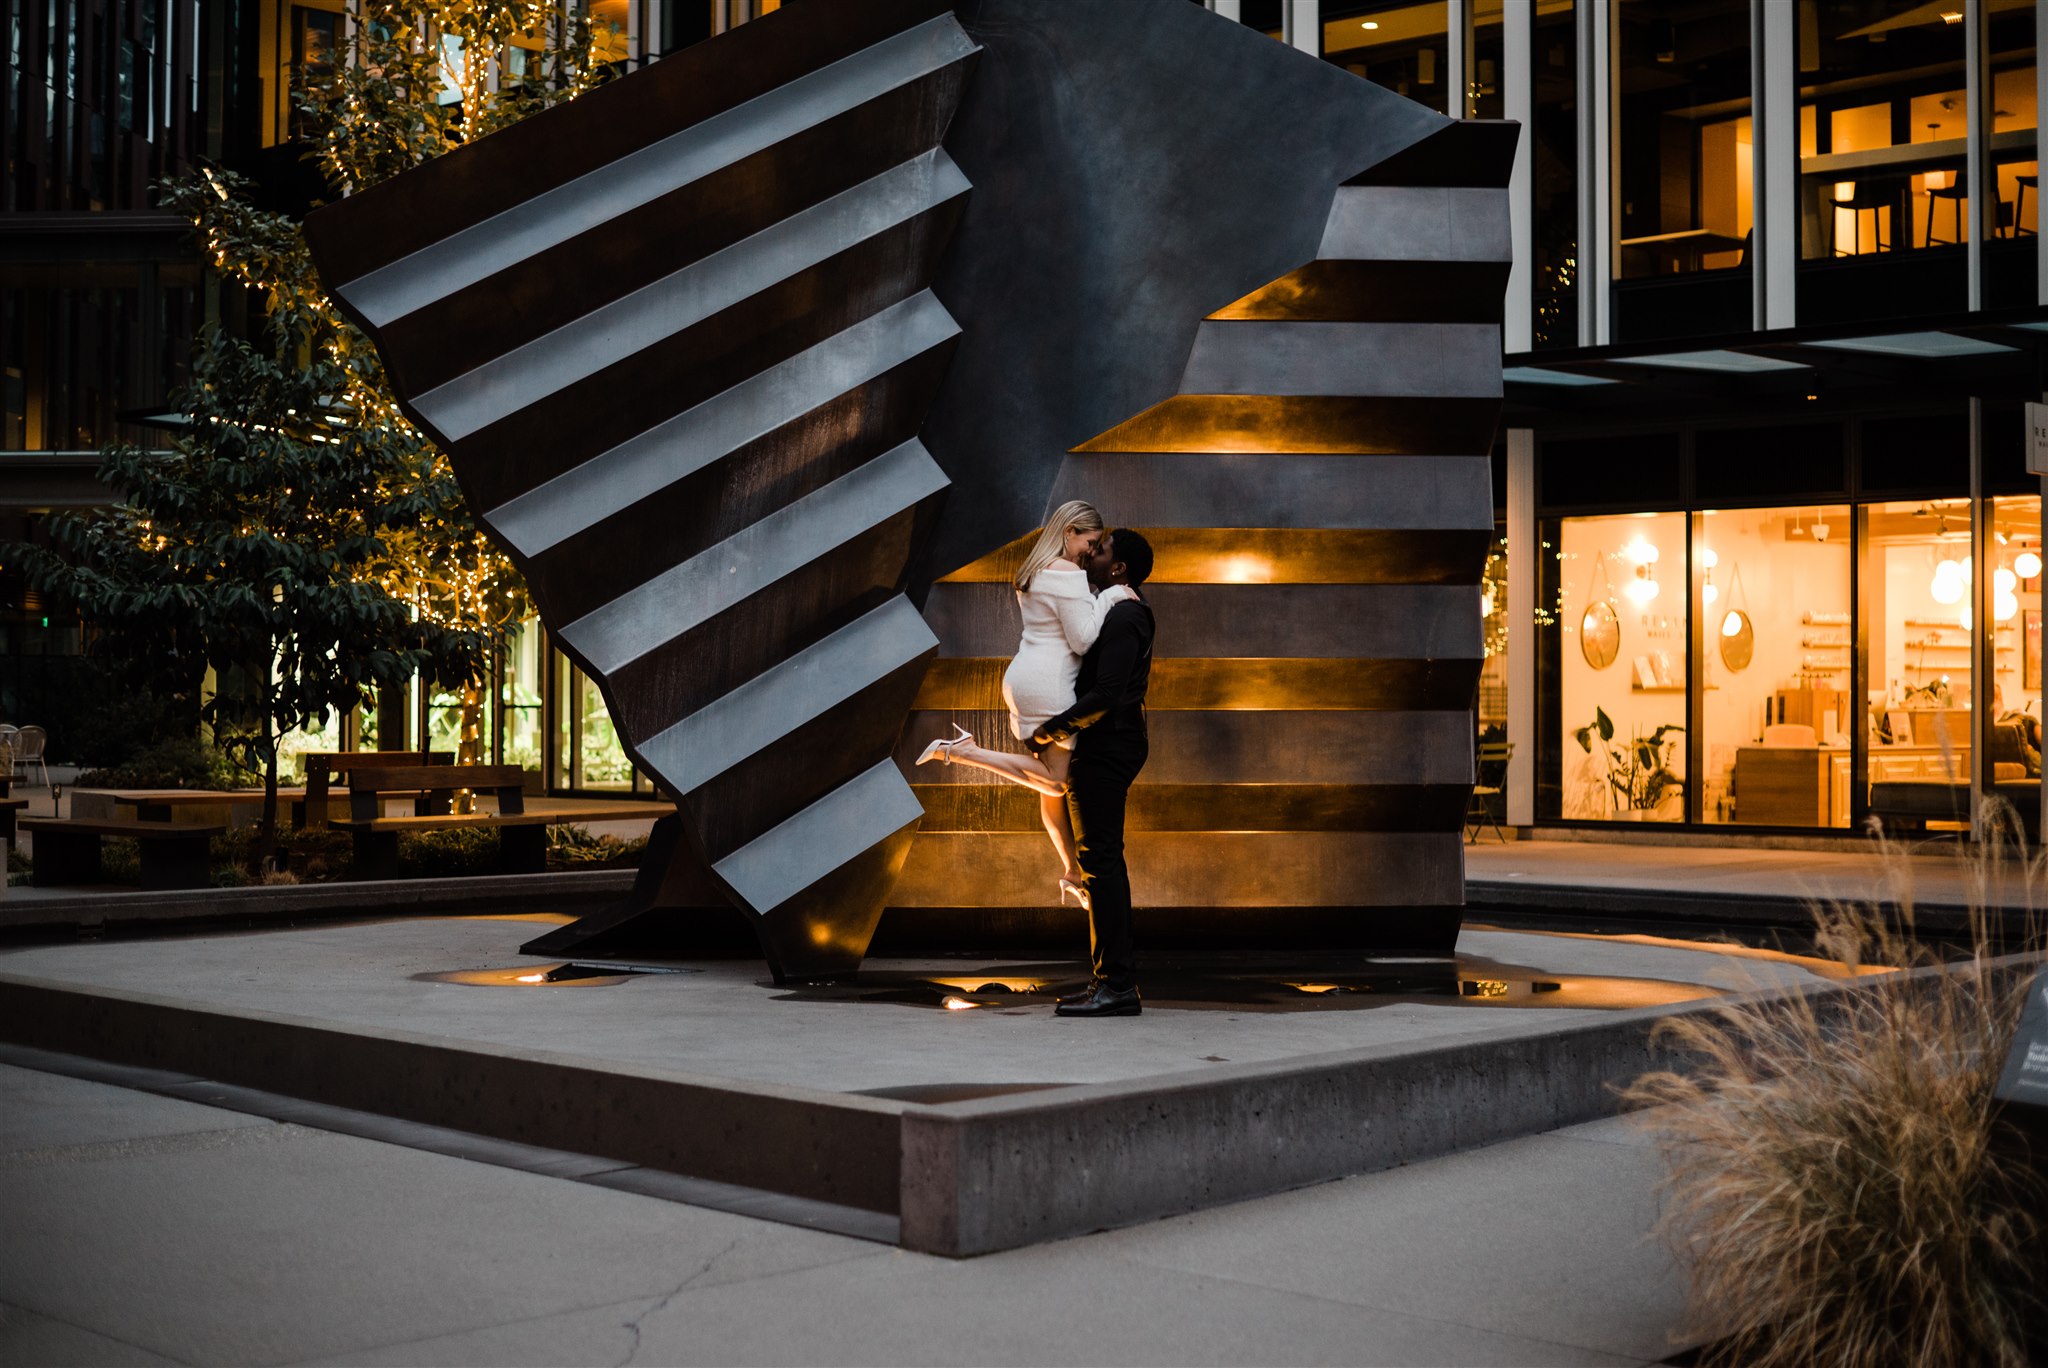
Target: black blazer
1114,674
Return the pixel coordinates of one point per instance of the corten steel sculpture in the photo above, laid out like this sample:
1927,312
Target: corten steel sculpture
763,362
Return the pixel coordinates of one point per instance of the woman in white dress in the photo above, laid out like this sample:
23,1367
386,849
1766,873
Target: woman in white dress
1062,618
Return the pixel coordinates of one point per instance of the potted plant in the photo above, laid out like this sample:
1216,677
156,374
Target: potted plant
1640,783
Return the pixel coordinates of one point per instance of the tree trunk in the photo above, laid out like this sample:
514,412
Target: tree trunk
469,749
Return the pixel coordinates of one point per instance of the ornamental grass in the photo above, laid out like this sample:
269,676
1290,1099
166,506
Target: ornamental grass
1833,1189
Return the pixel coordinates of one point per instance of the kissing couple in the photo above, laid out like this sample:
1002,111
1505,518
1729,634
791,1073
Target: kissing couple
1076,695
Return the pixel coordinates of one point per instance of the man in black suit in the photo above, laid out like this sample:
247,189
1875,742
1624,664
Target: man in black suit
1108,724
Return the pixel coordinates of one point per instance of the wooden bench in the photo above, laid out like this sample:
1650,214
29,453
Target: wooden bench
10,808
322,767
68,851
522,835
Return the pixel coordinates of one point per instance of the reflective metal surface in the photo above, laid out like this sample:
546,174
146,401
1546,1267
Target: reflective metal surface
754,354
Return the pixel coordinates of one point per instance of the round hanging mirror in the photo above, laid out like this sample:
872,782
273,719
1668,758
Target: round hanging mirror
1738,639
1600,634
1737,633
1599,625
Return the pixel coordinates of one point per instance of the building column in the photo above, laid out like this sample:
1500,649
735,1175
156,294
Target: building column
1774,134
1597,188
2040,239
1303,22
1228,9
1983,626
1458,59
1525,570
1518,102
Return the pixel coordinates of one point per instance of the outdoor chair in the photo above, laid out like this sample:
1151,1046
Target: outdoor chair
1479,812
29,751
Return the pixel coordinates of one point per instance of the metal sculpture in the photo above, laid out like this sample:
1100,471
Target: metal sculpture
752,354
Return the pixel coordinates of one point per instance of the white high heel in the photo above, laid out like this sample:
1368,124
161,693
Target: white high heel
1075,889
942,749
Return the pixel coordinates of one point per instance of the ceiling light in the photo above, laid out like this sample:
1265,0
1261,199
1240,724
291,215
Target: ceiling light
2027,564
1370,24
1951,17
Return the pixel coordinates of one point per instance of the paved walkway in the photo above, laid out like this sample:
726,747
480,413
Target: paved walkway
143,1229
1718,882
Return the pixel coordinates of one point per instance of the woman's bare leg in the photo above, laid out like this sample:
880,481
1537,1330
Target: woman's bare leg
1027,770
1052,810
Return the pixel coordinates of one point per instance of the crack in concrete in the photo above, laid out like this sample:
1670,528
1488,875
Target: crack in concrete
633,1325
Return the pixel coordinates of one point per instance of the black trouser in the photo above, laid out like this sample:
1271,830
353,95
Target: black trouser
1099,783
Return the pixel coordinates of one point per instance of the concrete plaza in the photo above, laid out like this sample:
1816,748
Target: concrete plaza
144,1229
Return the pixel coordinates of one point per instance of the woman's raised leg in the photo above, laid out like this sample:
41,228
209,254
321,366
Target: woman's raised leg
1027,770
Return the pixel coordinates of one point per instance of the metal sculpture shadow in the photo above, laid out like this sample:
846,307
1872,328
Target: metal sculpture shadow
761,362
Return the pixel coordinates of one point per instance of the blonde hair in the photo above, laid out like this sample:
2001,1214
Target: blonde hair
1052,542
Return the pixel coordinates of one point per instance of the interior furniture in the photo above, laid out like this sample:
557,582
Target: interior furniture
1479,812
1869,197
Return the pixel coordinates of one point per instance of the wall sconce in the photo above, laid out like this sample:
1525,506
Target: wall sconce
1950,580
1643,587
2027,565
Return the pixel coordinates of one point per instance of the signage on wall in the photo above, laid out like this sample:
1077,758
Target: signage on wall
2037,439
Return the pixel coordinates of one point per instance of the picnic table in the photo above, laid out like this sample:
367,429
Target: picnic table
431,790
162,805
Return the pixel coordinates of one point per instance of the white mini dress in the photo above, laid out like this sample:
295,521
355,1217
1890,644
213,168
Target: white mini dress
1062,618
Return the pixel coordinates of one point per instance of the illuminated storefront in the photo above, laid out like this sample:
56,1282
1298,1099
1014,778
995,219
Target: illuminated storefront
1786,627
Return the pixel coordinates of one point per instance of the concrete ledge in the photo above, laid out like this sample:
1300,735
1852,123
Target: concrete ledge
1702,910
994,1174
839,1148
571,892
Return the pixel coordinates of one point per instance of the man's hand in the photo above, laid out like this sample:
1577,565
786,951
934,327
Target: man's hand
1038,743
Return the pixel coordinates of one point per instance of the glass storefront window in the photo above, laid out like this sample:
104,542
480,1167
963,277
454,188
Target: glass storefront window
1685,162
1773,589
1621,689
1483,99
1404,47
519,695
1554,178
1918,622
2015,121
588,754
1882,123
2016,643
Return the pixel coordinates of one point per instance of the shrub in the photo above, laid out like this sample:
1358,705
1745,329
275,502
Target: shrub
176,762
573,847
448,852
1833,1186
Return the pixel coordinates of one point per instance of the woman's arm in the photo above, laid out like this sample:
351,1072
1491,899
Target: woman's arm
1081,617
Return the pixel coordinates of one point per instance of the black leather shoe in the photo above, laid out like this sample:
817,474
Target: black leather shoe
1079,996
1105,1001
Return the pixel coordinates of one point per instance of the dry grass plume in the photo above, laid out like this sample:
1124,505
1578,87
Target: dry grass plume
1833,1190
